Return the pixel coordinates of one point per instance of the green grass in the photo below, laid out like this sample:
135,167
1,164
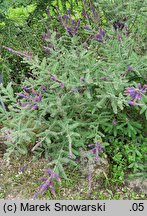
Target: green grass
23,186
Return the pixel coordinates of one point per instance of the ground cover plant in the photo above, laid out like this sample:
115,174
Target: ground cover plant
74,92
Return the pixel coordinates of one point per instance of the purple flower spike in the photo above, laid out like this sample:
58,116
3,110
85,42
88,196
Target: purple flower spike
54,78
26,89
38,98
68,11
135,93
65,17
87,28
53,174
78,23
69,24
48,183
34,92
23,95
69,30
32,97
144,88
62,85
102,32
46,49
138,96
51,185
27,55
36,195
96,150
52,190
133,103
43,88
57,177
23,168
99,37
82,79
49,171
34,107
44,186
129,69
73,22
85,14
118,25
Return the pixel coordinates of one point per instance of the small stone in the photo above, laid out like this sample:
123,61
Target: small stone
137,184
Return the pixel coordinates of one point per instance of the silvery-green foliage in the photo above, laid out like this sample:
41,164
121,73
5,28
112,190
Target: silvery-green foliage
82,93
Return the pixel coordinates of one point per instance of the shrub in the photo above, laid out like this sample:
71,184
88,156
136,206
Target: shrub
97,84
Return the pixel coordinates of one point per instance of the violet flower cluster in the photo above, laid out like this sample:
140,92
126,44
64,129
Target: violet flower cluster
48,183
129,69
100,35
24,167
97,148
70,25
118,25
31,97
54,78
27,55
94,15
135,94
